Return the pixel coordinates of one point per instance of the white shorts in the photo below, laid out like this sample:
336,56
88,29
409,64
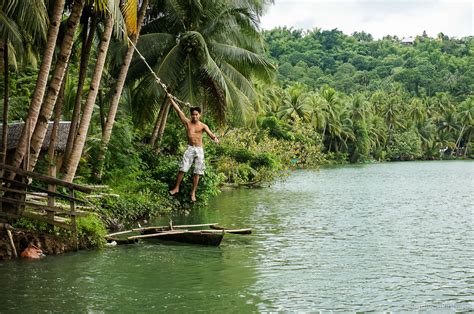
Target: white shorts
193,154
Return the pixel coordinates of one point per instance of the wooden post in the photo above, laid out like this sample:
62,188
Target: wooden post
73,219
26,160
51,201
11,242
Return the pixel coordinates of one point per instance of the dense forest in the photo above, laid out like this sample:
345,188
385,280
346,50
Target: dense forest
376,99
278,99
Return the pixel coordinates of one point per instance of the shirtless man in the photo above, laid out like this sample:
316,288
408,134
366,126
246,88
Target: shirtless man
194,152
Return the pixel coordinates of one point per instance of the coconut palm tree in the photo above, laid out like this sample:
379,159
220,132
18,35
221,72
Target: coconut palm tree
295,104
73,159
88,34
134,29
466,118
206,53
41,125
21,22
360,116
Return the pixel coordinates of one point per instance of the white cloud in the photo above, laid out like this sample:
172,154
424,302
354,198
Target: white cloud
390,17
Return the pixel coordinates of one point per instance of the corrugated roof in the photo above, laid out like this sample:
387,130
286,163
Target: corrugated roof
14,133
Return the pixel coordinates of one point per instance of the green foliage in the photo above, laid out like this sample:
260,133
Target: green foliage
276,128
32,225
91,231
405,146
364,93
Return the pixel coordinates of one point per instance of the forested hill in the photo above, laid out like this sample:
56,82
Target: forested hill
358,63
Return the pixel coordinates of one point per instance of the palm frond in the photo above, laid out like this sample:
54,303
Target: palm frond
240,106
170,69
32,15
9,29
113,8
240,58
130,13
215,73
242,83
188,89
153,47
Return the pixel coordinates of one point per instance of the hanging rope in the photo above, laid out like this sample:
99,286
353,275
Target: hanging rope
157,79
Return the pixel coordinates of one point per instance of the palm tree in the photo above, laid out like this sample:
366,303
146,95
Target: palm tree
88,34
466,118
295,105
360,115
21,21
270,98
319,111
107,131
333,112
73,160
206,54
46,108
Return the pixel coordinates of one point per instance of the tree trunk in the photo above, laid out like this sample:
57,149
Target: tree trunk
41,81
101,112
53,89
73,161
163,125
107,131
87,42
6,94
159,118
58,76
54,132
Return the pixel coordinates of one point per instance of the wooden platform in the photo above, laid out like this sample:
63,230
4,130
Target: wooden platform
25,196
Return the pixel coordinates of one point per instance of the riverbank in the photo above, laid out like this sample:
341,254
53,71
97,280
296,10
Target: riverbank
50,244
137,191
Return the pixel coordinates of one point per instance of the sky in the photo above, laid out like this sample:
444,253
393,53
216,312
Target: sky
403,18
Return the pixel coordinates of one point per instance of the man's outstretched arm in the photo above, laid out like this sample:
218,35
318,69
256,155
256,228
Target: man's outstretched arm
211,135
178,110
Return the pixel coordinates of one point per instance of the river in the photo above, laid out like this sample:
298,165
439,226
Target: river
377,237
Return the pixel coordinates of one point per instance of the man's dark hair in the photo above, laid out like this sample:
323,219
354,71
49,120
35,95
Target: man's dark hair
194,109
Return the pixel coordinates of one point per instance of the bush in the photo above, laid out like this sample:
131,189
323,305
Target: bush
405,146
91,231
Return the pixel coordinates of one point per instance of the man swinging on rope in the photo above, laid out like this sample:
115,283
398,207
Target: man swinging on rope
194,152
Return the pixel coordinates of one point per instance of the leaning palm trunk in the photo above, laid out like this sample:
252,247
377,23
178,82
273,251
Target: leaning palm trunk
52,94
73,161
161,130
156,128
109,124
54,132
6,93
76,113
41,81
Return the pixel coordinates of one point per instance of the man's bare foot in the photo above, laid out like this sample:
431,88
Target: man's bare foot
173,192
193,197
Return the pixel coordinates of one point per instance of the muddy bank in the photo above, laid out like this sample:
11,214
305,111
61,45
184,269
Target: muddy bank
48,243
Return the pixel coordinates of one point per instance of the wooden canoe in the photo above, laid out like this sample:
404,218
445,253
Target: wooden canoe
202,237
179,233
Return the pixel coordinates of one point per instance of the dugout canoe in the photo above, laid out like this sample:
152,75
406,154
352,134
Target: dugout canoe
178,233
202,237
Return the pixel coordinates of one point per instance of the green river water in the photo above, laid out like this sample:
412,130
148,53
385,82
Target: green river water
378,237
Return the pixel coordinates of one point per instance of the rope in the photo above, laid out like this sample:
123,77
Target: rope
157,79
